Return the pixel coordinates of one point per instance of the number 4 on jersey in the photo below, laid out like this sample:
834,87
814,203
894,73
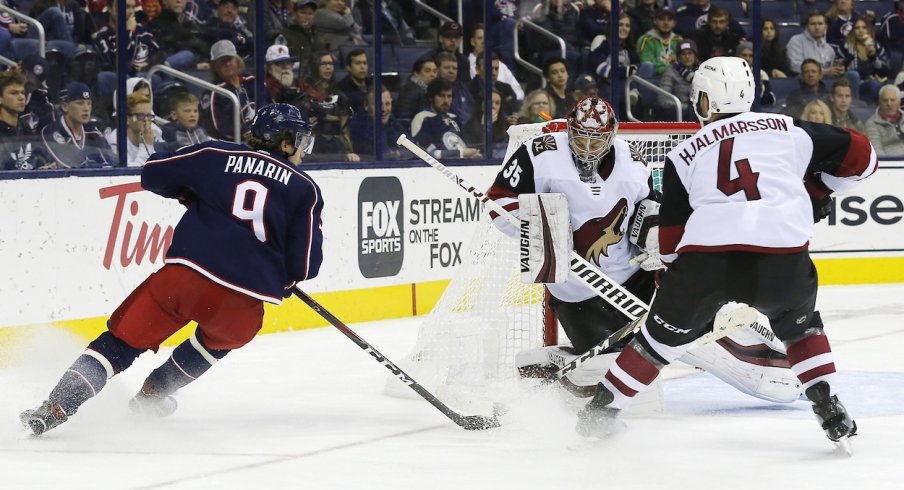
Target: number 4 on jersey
746,179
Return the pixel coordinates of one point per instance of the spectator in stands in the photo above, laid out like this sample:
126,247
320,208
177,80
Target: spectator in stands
183,128
538,107
767,98
502,25
396,30
361,129
628,60
477,86
141,132
474,133
657,48
594,21
436,130
39,110
863,54
811,87
73,141
816,111
228,71
773,57
449,40
320,74
143,49
462,99
300,35
331,135
812,44
20,147
694,15
840,102
891,35
556,72
585,86
884,127
334,24
643,16
276,16
505,73
177,35
677,81
715,38
358,80
412,97
66,23
10,27
840,20
281,83
229,25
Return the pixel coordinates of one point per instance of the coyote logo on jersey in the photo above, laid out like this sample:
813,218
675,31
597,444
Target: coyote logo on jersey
595,236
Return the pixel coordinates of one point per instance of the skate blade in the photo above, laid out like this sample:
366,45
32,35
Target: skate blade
843,447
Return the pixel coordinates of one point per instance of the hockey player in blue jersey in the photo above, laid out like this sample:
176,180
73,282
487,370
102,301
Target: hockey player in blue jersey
251,229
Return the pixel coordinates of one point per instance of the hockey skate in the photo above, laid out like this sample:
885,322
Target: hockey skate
832,416
149,402
597,419
43,418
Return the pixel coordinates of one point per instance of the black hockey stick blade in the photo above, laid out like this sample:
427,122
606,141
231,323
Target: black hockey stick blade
469,422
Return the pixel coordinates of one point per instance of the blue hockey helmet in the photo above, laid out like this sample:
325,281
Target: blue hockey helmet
275,122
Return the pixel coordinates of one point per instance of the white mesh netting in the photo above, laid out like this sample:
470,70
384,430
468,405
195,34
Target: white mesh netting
466,345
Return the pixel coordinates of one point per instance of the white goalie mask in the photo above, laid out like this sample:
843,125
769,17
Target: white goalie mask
728,85
591,127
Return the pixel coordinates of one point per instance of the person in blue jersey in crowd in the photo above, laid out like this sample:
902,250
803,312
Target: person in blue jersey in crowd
73,141
251,230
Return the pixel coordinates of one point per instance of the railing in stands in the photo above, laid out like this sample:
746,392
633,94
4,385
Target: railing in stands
654,88
236,113
42,39
525,23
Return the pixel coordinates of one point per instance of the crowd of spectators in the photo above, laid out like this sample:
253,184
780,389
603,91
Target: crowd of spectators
843,63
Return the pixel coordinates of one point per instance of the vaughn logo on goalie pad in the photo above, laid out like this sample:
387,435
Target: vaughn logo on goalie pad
381,227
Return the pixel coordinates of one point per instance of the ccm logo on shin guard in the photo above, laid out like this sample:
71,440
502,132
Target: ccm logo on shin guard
668,326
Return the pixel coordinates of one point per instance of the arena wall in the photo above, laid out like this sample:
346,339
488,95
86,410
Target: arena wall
73,248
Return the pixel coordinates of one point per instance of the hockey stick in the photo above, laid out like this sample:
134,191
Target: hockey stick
469,422
596,280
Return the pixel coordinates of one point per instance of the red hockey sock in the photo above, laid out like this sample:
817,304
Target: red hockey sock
630,374
812,360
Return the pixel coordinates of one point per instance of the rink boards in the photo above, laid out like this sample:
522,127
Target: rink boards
73,248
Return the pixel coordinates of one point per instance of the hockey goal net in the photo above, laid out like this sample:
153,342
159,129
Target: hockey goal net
466,346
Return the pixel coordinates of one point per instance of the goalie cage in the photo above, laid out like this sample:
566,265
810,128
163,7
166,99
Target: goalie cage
466,346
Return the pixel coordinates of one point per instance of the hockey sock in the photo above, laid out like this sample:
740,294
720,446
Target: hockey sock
189,360
631,373
812,360
105,357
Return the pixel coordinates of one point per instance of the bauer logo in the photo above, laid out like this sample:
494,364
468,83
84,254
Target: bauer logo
380,227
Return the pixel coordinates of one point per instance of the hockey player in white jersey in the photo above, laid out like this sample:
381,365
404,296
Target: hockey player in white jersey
612,218
739,203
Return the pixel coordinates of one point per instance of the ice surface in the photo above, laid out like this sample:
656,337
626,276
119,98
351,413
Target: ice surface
306,410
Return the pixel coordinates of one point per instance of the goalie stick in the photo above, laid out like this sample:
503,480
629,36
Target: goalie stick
593,278
469,422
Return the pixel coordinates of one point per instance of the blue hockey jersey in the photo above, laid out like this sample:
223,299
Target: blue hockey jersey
253,219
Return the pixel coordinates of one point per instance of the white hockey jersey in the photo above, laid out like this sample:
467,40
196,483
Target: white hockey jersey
600,211
738,183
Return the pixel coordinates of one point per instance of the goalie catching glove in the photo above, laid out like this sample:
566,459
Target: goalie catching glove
645,235
545,238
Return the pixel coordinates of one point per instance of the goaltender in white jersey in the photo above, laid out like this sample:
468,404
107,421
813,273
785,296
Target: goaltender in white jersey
613,213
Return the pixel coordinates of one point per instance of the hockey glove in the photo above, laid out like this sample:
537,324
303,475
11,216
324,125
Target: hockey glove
820,196
645,235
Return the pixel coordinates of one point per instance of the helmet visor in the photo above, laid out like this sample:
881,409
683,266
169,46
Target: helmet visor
304,141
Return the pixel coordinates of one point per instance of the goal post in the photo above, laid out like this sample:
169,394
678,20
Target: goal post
466,346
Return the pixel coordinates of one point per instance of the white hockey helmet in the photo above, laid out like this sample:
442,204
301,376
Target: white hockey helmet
727,83
591,129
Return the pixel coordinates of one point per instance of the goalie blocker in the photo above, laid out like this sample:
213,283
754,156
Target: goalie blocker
545,238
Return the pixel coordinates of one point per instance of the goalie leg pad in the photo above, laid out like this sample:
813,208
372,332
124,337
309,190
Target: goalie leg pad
546,241
750,359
